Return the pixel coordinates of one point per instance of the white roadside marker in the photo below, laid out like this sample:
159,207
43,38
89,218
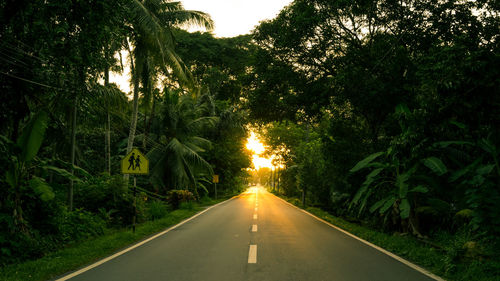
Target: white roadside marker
254,228
252,254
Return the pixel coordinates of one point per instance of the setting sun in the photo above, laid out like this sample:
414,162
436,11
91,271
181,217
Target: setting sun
254,145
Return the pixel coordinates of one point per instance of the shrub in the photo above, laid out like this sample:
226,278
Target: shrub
80,224
176,197
108,196
157,210
18,246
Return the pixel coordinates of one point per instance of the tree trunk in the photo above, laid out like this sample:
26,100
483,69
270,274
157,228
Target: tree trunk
17,215
135,109
107,142
73,150
148,125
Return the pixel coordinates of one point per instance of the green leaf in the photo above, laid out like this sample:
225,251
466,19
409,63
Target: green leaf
487,146
485,169
378,204
436,165
444,144
420,189
402,109
363,202
458,124
42,189
389,203
32,136
405,208
10,178
401,183
62,173
458,174
82,171
363,163
370,178
358,195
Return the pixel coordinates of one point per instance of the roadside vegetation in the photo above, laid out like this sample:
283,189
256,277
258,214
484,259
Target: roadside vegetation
385,114
64,128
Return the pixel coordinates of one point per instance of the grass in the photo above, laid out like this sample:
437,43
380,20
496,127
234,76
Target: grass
444,262
82,253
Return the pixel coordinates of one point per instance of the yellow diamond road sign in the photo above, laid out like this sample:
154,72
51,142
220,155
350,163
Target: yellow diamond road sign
135,163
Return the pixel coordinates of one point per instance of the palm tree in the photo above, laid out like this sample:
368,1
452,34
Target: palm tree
175,159
153,21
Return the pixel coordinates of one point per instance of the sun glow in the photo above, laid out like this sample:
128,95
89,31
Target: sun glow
259,162
254,145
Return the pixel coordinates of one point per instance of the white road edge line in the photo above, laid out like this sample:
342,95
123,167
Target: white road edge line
254,228
398,258
252,254
96,264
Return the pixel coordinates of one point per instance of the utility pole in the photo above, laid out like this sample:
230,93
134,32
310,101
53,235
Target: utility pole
134,218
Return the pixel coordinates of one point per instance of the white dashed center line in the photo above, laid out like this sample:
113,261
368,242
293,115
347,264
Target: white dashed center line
254,216
254,228
252,254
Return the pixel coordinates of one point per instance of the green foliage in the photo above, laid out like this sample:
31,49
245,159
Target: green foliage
80,224
41,188
365,162
32,137
436,165
157,209
175,159
109,195
58,53
176,197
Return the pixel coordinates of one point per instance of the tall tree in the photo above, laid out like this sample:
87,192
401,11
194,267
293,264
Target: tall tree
153,21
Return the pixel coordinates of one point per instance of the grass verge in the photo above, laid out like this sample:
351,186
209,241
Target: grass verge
76,255
442,262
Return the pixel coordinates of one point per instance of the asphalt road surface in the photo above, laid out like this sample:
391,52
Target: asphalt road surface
255,236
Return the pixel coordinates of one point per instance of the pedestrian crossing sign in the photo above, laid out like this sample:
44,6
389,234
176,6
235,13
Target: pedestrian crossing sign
135,163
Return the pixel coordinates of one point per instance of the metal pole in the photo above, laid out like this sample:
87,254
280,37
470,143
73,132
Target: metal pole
215,190
135,206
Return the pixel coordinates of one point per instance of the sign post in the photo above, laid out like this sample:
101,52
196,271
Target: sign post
135,163
215,180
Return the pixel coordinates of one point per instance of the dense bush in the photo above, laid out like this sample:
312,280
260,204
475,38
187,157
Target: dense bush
156,209
176,197
80,224
110,197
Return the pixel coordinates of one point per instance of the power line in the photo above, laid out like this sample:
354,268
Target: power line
34,82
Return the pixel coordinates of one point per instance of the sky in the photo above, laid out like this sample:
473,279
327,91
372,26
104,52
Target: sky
231,18
236,17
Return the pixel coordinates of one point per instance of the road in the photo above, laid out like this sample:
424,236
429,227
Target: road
255,236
